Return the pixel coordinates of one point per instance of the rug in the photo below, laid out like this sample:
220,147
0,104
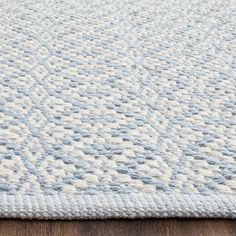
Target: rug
117,108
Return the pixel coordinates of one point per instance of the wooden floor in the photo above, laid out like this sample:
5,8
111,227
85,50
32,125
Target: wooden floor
149,227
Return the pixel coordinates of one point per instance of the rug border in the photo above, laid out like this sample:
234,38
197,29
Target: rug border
102,206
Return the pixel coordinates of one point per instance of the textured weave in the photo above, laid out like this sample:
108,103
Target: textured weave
117,108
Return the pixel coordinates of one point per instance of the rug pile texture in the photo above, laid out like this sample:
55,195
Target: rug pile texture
117,108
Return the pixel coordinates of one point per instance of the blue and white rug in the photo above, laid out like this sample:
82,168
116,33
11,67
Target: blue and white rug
117,108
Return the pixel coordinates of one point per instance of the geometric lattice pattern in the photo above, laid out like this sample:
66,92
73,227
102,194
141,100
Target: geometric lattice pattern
117,97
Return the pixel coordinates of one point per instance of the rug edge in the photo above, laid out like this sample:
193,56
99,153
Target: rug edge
102,206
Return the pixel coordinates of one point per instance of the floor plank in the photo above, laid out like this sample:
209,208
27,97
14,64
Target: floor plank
148,227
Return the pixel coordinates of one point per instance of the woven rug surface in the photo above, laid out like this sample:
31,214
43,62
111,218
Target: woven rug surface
117,108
